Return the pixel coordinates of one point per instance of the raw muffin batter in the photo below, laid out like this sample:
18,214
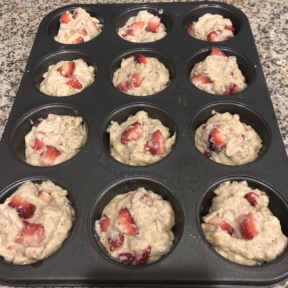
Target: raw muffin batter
78,27
54,140
212,28
218,74
34,222
224,139
241,227
67,78
144,27
141,76
135,227
139,140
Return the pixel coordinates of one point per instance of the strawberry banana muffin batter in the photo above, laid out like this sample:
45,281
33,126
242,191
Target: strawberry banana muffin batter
224,139
218,74
67,78
78,27
241,227
212,28
54,140
140,140
141,76
34,222
143,28
135,227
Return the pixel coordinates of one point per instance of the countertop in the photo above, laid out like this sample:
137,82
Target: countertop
268,19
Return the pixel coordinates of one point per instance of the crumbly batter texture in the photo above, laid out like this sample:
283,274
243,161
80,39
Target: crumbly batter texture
141,76
225,139
34,222
212,28
140,140
241,227
78,27
142,28
135,227
66,78
54,140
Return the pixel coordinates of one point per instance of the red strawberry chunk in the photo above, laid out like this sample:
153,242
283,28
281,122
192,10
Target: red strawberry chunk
140,58
126,258
124,86
74,83
234,88
38,145
142,256
37,121
78,40
32,234
75,14
207,154
137,79
125,222
115,241
229,27
252,198
82,31
249,227
131,133
218,221
200,79
67,68
135,28
156,144
153,24
104,223
217,52
216,140
50,154
212,36
190,29
66,17
24,208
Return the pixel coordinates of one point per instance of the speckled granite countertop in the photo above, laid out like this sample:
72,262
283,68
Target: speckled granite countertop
268,19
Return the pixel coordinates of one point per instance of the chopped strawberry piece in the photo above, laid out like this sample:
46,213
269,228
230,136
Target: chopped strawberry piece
67,68
212,36
137,79
229,27
75,14
216,141
207,154
142,256
32,234
252,198
249,227
124,86
131,133
37,121
125,222
200,79
74,83
156,144
218,221
50,155
66,17
126,258
140,58
115,241
217,52
82,31
38,145
190,29
234,88
104,223
78,40
44,196
153,24
24,208
135,28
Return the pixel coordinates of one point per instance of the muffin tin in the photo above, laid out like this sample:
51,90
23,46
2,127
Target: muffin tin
185,177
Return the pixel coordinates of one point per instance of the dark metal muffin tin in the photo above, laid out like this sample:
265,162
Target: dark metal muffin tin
185,177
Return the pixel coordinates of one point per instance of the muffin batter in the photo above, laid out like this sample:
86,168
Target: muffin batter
34,222
139,140
135,227
241,227
54,140
66,78
224,139
144,27
78,27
